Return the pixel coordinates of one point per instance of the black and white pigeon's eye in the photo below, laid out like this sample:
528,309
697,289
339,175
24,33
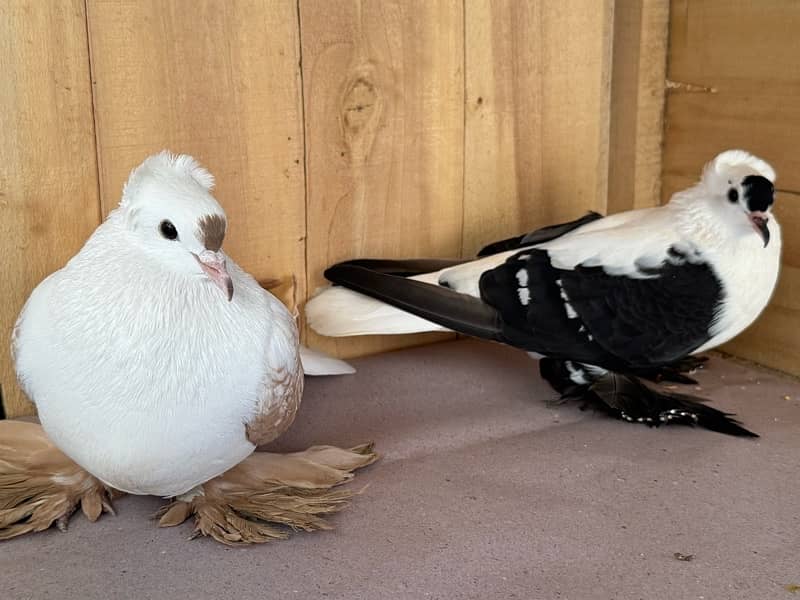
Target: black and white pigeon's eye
168,230
733,195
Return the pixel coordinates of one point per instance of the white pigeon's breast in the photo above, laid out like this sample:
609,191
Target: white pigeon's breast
151,393
748,273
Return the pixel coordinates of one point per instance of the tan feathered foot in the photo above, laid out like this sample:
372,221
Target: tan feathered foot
242,505
40,485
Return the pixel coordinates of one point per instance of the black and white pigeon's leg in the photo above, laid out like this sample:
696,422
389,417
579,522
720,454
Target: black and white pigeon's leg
626,397
569,378
678,371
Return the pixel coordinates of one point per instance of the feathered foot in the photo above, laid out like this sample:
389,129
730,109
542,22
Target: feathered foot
626,397
241,505
675,372
40,485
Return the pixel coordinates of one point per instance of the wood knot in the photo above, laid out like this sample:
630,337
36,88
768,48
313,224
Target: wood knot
359,104
360,114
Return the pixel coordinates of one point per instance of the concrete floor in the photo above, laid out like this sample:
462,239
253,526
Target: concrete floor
483,492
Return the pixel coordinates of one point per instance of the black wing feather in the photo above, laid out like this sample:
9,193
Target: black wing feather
542,322
539,236
648,321
619,322
406,267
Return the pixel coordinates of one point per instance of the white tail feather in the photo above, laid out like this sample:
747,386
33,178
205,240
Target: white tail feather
317,363
339,312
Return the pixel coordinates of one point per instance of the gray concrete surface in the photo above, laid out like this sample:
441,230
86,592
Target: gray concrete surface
483,492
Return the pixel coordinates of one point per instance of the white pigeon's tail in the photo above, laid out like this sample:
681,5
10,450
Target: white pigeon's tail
316,363
339,312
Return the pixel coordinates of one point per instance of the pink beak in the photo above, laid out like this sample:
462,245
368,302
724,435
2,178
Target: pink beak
213,264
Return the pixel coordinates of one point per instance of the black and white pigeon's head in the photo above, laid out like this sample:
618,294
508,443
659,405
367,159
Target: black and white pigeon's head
168,208
740,189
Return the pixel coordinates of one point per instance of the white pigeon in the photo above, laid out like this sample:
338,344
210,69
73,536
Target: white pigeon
605,299
155,362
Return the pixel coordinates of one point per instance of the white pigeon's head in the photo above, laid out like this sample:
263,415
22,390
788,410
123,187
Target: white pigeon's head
168,207
740,189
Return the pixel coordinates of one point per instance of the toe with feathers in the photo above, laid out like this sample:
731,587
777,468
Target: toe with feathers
40,486
625,397
268,495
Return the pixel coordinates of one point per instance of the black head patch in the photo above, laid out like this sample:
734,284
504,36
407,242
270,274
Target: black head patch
759,192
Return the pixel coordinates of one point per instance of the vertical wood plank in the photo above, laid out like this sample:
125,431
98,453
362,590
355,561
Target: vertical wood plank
735,88
576,80
503,176
48,175
637,103
220,81
537,114
383,87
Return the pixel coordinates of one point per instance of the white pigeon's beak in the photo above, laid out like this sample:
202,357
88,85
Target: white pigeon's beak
759,221
213,264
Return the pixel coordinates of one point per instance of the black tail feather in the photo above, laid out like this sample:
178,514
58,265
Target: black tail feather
459,312
627,398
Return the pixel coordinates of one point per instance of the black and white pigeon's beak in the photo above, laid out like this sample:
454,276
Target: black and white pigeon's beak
759,193
760,221
213,264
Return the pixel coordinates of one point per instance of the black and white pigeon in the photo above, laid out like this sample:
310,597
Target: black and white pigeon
605,300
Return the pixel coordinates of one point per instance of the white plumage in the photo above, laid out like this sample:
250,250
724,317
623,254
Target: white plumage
141,369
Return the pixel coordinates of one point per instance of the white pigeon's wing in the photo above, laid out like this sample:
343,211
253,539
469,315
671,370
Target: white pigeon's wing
281,388
31,334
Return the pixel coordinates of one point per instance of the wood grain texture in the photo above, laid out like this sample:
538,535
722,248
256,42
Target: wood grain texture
220,81
48,175
737,81
383,90
637,103
537,114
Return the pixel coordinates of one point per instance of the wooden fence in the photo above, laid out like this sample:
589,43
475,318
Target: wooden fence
342,128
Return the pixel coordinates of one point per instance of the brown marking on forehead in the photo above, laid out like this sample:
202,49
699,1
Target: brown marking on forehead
212,231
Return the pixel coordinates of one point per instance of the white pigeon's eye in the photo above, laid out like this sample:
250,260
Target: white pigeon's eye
733,195
168,230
